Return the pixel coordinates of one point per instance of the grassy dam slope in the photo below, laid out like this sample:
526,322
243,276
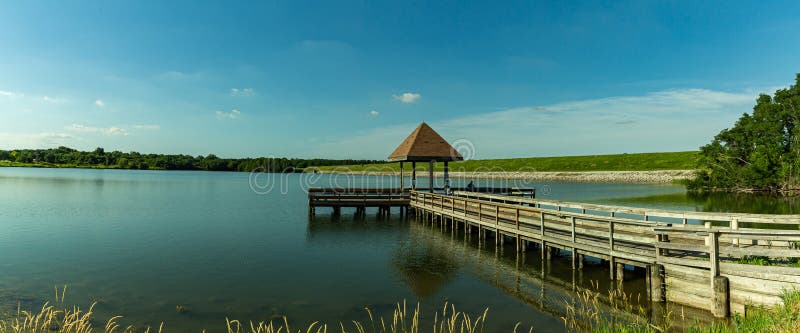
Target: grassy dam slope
686,160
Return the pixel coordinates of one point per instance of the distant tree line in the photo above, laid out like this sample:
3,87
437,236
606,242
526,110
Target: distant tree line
99,158
761,152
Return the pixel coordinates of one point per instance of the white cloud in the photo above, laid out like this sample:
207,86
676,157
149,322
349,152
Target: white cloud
81,128
91,129
669,120
408,97
242,92
53,100
116,131
179,76
233,114
374,113
33,140
11,94
147,127
100,103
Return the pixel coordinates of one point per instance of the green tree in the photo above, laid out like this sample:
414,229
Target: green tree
760,152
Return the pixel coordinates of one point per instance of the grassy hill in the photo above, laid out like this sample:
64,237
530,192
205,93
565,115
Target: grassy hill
686,160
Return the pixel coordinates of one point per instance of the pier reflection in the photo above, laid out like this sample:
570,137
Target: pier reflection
424,267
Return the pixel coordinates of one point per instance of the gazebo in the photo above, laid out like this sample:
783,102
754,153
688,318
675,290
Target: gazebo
425,145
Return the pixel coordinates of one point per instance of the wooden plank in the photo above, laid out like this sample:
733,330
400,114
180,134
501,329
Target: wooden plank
689,299
774,273
752,298
682,247
684,262
737,269
690,287
691,274
738,252
761,286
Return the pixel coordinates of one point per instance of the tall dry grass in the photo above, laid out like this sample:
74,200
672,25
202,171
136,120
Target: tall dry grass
58,318
586,313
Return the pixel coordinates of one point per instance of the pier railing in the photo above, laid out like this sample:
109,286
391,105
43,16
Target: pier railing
731,220
617,239
701,263
705,260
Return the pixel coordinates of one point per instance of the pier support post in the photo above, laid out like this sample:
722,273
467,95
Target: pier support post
719,299
612,267
657,283
574,256
580,261
542,250
620,273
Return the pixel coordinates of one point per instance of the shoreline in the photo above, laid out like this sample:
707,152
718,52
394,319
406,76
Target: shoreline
641,177
645,177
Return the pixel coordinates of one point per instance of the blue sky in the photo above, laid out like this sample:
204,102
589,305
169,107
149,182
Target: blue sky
352,79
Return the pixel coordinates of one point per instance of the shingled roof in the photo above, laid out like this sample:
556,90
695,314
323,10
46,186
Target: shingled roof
424,145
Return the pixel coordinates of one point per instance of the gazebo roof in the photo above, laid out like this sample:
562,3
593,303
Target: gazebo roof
424,145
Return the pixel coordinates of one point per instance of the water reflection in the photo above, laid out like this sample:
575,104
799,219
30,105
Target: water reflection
753,203
547,286
746,203
425,268
429,260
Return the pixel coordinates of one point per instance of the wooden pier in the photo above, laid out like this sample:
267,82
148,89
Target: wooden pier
689,258
384,199
359,198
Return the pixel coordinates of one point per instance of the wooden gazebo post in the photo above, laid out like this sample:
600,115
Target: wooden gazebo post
413,175
401,177
446,179
430,175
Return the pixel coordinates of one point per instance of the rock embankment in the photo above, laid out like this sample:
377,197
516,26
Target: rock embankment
655,176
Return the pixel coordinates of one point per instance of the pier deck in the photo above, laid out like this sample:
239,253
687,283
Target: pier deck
386,198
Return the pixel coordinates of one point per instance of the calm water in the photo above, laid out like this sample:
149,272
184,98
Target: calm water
141,243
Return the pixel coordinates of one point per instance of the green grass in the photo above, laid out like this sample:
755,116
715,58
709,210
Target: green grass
585,314
589,316
686,160
60,318
784,318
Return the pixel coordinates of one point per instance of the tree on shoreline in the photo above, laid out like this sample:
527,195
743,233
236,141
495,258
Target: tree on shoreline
99,158
761,152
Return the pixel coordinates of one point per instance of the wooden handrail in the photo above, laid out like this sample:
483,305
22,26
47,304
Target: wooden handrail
647,212
536,211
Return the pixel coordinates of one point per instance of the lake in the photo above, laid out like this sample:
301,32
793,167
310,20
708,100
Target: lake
218,245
